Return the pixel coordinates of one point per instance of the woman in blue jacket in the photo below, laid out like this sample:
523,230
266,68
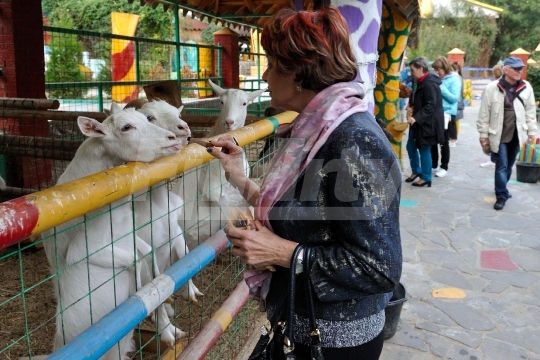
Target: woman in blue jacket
451,91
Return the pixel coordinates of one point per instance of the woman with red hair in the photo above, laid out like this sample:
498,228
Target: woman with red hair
334,184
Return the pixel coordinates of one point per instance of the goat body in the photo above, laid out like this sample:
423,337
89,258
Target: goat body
156,215
95,260
203,187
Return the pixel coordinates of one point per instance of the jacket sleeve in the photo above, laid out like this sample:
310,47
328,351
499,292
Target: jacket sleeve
530,114
450,90
428,104
482,123
363,193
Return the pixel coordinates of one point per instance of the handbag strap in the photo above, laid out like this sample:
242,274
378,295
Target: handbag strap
314,330
288,340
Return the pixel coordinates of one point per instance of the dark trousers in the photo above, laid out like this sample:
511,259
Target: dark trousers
452,128
368,351
445,152
504,161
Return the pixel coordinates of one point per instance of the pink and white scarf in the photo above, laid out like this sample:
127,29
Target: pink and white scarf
307,134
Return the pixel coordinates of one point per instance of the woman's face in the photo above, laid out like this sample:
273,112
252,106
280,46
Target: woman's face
282,89
440,72
417,73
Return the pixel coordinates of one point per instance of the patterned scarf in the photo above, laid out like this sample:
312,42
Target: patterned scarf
307,134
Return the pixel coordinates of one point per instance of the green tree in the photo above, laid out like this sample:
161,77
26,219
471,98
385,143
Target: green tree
469,31
63,65
207,36
518,27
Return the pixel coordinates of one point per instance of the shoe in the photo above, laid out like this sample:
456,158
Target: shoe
499,204
452,144
435,170
441,173
425,183
487,164
412,178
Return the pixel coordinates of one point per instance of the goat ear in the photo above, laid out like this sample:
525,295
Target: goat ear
216,88
91,127
180,109
107,112
252,95
115,108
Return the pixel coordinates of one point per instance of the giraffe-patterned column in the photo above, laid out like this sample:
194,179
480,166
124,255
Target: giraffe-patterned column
392,42
364,20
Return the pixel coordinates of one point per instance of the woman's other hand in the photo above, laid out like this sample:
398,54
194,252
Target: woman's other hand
411,120
260,247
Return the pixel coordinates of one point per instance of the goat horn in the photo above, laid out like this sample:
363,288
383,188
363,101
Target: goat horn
137,103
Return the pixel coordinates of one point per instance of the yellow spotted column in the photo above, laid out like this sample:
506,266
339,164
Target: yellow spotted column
392,42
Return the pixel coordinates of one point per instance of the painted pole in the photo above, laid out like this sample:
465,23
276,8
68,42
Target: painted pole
32,214
207,337
107,331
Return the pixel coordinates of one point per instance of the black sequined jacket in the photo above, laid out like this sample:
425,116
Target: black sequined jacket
346,204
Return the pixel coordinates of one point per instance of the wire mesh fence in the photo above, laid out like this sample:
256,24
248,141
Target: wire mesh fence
30,312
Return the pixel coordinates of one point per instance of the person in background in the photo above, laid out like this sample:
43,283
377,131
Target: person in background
461,104
507,118
497,71
426,122
450,91
334,184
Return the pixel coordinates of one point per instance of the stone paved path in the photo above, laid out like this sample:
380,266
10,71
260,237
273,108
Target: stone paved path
452,237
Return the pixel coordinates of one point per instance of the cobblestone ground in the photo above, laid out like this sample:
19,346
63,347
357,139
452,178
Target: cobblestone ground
453,238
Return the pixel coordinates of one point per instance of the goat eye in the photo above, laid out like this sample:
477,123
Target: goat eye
150,118
244,104
127,127
222,103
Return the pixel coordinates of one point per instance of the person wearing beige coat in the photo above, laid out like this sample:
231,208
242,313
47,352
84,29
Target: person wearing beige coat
507,118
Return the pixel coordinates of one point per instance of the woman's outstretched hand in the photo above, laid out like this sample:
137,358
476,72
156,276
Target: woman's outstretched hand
231,158
260,247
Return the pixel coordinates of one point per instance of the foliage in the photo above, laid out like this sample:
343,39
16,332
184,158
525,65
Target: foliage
533,76
518,27
471,32
94,15
63,65
207,36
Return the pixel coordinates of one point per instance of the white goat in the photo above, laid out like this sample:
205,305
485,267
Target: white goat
94,260
157,215
203,187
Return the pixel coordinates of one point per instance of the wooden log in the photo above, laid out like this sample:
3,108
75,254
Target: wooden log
29,104
49,115
38,142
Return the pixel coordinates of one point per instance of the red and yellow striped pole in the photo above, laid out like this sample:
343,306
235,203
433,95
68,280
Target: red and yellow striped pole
123,57
32,214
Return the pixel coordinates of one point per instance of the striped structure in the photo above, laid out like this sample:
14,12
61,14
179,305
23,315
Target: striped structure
123,57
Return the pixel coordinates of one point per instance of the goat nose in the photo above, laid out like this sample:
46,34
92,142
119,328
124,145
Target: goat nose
229,122
171,137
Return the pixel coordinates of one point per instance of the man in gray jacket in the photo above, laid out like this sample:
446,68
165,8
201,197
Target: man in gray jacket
507,118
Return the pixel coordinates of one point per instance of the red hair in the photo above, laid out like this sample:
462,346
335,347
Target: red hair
314,45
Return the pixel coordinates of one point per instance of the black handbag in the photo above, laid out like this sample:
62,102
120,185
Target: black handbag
281,346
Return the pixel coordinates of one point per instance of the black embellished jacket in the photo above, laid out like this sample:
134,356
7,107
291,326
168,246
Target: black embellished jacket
345,204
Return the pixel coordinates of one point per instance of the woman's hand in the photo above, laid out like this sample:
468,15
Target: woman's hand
261,247
484,141
411,120
230,156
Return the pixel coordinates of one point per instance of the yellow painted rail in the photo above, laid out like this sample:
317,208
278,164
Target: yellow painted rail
32,214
